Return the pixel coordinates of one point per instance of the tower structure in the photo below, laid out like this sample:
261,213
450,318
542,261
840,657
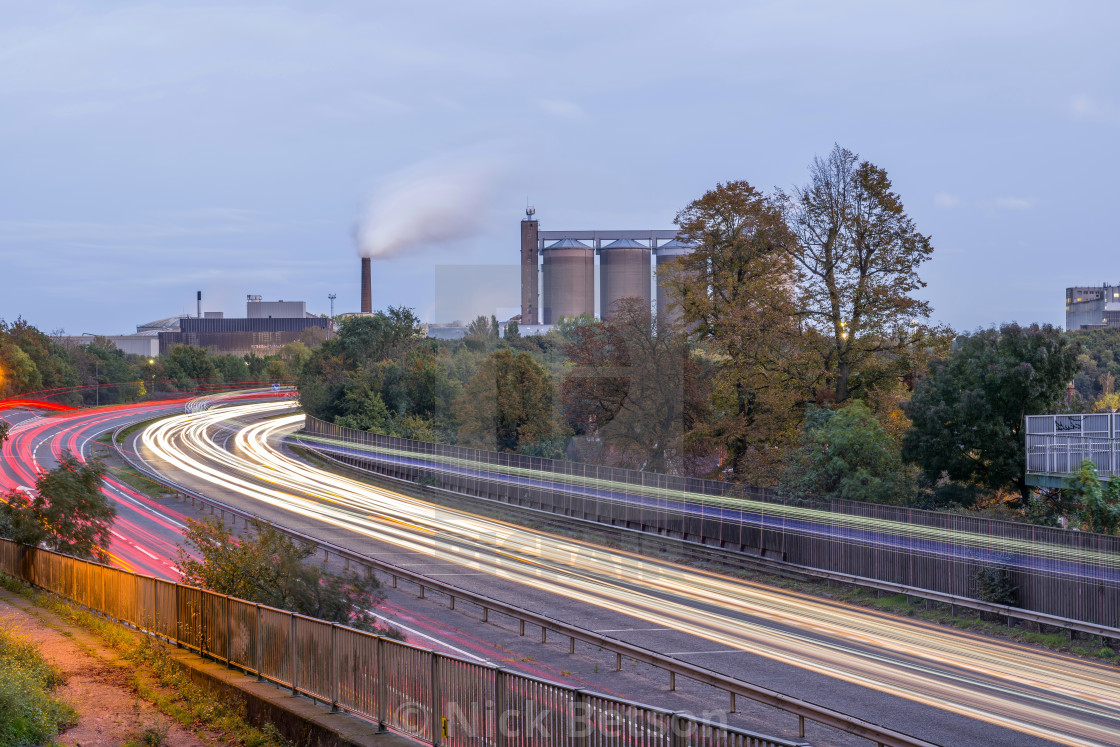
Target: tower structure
529,267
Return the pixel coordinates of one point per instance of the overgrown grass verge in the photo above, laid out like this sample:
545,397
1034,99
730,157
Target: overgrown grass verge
158,679
29,713
137,481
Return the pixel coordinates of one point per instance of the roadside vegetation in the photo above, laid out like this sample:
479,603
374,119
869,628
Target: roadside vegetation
157,679
265,566
29,713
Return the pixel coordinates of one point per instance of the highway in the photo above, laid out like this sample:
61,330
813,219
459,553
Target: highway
147,532
944,685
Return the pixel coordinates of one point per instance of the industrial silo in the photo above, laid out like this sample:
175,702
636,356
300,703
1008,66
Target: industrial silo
667,308
569,280
623,273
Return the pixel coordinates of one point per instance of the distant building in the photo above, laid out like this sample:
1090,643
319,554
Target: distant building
266,327
1092,307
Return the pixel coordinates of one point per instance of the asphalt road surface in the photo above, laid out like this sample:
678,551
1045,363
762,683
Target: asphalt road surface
941,684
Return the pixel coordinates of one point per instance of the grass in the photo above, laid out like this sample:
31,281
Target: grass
29,713
158,679
142,483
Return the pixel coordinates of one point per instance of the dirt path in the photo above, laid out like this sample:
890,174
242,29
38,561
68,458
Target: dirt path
99,681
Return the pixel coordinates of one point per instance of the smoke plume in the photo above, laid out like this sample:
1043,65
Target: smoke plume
428,205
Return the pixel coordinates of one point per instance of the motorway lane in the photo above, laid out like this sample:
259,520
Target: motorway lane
976,689
146,532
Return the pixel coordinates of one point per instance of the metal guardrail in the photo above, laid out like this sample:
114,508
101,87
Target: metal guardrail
435,698
804,710
772,565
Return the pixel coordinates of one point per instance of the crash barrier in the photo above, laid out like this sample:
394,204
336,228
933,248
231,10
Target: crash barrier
1064,574
435,698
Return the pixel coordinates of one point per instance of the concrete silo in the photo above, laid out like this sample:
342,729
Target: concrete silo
624,272
569,280
667,308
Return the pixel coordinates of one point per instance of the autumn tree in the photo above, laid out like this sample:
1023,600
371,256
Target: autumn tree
636,385
268,567
67,512
968,413
735,292
857,254
507,404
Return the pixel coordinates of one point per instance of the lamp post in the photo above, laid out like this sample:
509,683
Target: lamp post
97,381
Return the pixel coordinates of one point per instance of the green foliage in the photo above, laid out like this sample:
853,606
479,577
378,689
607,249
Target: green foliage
1098,506
67,513
513,331
190,367
17,371
507,404
994,584
846,453
968,413
29,714
270,568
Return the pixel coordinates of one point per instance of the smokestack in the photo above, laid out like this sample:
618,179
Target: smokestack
367,291
200,304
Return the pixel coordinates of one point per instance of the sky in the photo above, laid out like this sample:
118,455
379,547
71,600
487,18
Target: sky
149,150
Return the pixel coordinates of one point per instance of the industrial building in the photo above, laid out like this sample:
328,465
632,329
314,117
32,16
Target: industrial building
1092,307
558,270
266,327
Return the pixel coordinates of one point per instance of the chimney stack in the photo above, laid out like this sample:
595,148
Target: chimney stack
367,291
200,304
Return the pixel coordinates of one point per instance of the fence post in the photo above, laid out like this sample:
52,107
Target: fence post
382,688
178,630
581,721
229,633
678,730
434,697
260,644
334,668
501,717
295,662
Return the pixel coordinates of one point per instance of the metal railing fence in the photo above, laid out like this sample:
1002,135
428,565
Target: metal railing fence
435,698
1061,573
1058,444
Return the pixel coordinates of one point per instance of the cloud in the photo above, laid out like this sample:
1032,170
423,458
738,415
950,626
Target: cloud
564,109
1093,109
1014,203
947,201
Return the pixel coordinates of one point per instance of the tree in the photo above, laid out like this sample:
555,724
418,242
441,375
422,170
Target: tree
513,331
846,453
67,512
1098,507
268,567
190,366
968,414
634,382
857,254
507,405
735,293
18,373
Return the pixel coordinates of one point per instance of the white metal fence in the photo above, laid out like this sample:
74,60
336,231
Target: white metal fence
435,698
1058,444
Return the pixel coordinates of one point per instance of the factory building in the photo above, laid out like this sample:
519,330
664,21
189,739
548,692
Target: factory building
1092,307
266,327
560,266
